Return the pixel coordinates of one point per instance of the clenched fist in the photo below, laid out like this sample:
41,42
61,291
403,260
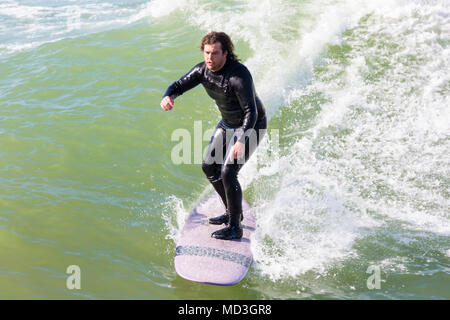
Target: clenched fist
167,103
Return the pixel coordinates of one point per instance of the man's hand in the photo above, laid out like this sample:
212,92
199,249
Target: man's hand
237,151
167,103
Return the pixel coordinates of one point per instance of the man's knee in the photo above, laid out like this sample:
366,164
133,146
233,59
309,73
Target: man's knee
228,174
207,168
211,170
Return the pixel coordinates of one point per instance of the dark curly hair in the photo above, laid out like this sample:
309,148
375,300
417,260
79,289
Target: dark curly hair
225,41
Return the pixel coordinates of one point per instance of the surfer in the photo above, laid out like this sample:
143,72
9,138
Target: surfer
237,134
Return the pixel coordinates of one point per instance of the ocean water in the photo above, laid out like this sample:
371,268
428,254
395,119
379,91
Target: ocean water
350,188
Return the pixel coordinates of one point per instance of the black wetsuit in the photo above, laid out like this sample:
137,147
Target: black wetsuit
243,119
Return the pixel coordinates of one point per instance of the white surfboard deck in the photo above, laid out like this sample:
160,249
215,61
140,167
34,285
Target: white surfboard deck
201,258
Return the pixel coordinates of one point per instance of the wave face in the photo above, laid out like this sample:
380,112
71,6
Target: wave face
360,95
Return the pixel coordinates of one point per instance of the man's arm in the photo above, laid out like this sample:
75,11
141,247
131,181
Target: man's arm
245,92
185,83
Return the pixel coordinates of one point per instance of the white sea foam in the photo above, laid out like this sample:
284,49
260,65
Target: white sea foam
174,216
25,25
378,150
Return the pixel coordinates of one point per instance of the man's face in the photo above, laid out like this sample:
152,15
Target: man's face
215,58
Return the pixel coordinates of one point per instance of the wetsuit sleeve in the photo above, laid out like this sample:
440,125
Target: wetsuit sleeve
185,83
245,93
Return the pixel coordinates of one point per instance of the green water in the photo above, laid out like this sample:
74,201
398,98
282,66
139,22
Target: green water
86,165
86,176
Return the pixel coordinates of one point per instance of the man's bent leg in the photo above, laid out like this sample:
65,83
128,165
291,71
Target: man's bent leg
233,192
211,166
233,189
212,173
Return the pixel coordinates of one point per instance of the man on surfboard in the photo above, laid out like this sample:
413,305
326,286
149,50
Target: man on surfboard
239,132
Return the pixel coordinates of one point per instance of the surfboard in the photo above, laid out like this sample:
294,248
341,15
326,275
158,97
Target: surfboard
201,258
